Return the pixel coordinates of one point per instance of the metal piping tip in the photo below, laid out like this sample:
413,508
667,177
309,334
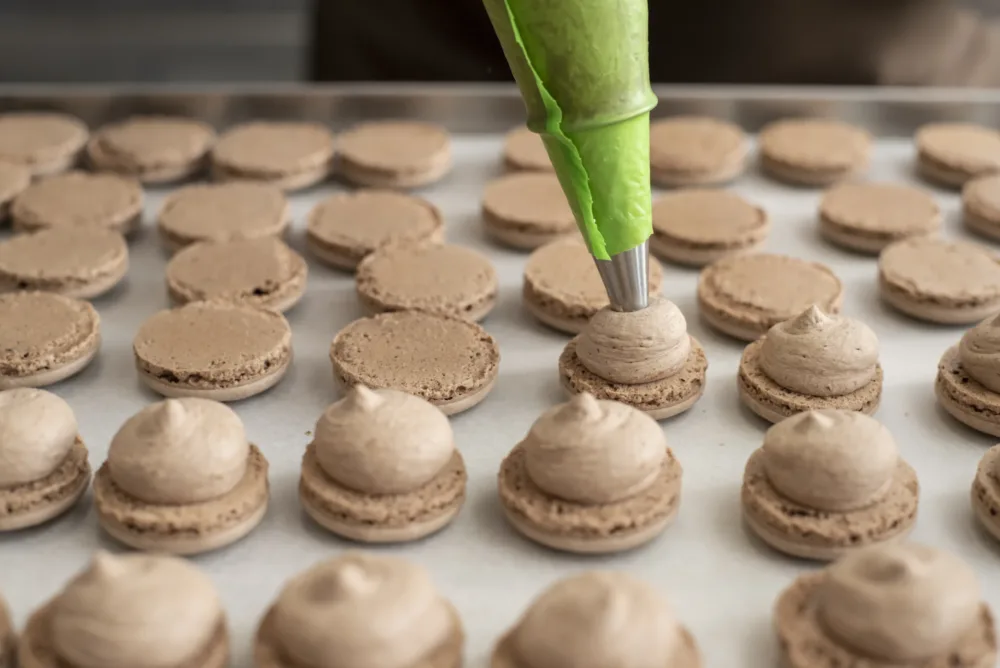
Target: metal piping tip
626,278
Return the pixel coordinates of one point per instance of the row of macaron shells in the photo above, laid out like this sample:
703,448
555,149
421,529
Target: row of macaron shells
899,604
815,376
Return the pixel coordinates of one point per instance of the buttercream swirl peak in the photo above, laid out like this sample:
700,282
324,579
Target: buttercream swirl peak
37,431
180,451
361,611
383,441
899,603
594,451
820,355
830,460
135,610
595,620
363,399
582,407
635,347
979,353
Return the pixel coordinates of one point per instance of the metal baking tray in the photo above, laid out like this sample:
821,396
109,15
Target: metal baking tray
721,582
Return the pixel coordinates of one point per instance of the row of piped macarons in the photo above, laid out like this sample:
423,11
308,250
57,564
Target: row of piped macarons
904,604
590,476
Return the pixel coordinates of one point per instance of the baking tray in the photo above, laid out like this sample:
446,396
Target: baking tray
721,582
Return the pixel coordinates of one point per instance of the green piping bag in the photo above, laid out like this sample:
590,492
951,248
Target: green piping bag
583,70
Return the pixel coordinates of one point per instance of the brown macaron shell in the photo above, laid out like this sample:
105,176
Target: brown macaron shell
261,272
588,529
394,154
981,206
14,179
8,637
986,492
526,210
287,155
743,296
436,278
34,503
79,199
45,338
452,363
774,403
524,150
867,217
660,399
382,518
36,649
813,151
951,154
965,398
940,281
809,533
563,289
154,149
696,227
222,212
73,261
44,142
805,642
695,151
185,529
212,350
345,228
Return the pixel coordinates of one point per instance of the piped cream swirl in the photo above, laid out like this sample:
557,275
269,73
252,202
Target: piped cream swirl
594,452
830,460
979,353
383,441
135,611
635,347
820,355
596,620
180,451
37,430
899,603
361,611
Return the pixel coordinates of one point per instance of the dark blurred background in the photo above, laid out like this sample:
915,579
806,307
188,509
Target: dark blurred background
269,40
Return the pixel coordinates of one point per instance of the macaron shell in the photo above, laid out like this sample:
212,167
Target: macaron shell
388,518
774,403
435,278
286,155
940,281
805,644
184,529
660,399
808,533
74,262
525,150
38,502
394,154
46,143
450,362
691,150
36,649
563,289
344,228
213,350
527,210
745,295
950,154
813,152
597,529
77,198
986,492
867,217
46,338
263,272
964,398
154,149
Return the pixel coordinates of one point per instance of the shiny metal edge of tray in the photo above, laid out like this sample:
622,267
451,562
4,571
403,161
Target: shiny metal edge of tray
495,108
